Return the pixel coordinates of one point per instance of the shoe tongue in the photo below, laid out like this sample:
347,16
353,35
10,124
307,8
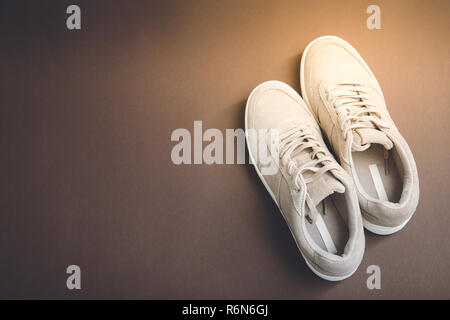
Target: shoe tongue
323,186
364,136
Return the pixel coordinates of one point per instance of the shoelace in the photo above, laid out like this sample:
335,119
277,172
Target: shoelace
355,109
299,139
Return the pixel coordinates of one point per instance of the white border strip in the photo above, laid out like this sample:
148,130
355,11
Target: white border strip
378,182
325,234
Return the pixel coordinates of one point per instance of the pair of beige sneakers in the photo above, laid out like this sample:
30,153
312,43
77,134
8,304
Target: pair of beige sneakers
326,198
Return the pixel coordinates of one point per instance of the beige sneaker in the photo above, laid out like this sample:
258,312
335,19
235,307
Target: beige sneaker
347,101
314,194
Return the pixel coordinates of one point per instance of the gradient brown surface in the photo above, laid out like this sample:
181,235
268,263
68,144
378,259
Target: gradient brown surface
85,126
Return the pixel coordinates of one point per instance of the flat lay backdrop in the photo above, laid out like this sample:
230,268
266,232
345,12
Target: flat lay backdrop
85,123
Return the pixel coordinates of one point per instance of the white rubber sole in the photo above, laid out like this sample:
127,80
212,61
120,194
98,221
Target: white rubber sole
315,271
382,230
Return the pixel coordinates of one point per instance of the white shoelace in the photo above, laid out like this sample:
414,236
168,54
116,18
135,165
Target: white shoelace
300,139
355,109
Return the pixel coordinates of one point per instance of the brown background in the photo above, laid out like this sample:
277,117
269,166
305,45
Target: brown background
85,125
